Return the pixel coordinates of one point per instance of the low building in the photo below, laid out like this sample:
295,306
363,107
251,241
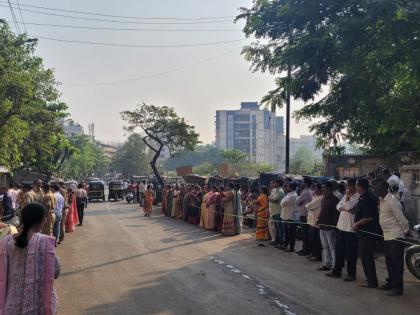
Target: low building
71,128
4,176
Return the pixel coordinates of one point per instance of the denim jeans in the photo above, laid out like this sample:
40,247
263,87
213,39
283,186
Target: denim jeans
328,247
57,225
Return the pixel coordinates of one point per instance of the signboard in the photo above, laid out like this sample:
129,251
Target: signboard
184,170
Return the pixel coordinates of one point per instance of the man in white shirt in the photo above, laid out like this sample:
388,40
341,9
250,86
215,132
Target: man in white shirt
13,194
290,216
346,244
301,201
314,208
276,196
59,205
394,225
142,190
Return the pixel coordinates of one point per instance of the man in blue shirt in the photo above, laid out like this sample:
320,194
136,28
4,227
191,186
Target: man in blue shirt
59,205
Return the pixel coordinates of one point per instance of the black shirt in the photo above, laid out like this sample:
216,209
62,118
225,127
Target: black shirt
367,207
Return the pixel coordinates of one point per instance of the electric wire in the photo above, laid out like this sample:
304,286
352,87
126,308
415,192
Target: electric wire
13,16
21,16
128,29
153,75
122,16
138,46
124,22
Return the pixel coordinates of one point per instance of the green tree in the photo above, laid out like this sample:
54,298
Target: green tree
30,109
162,128
132,158
201,154
205,169
303,162
86,160
364,53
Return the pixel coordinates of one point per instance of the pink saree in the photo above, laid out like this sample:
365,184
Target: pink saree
27,276
72,217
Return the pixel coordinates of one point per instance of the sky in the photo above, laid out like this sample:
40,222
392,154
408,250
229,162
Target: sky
98,82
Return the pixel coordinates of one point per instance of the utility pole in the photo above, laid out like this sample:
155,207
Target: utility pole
289,75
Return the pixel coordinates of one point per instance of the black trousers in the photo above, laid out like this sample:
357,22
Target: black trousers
394,258
315,242
290,234
80,211
306,244
367,245
346,252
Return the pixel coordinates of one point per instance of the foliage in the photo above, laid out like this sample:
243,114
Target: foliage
206,169
132,158
30,134
234,156
87,159
162,128
304,162
201,154
364,52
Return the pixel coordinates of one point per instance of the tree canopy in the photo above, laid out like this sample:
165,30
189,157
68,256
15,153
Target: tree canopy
87,159
30,133
132,158
363,53
162,127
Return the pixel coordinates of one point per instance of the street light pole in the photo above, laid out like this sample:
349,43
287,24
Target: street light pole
289,74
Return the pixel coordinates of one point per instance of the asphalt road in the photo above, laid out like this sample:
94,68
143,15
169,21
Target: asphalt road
120,262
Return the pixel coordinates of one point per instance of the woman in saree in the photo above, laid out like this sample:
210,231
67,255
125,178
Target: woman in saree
262,217
148,201
175,203
204,210
169,202
28,267
228,226
211,208
72,218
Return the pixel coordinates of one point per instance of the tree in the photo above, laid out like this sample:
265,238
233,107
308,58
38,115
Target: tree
87,159
30,135
132,158
365,53
162,127
201,154
304,162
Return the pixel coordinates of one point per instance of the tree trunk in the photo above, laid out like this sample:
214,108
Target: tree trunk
154,168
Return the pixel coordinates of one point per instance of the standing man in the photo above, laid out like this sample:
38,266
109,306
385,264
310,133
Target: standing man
59,206
274,200
49,204
301,201
366,223
393,182
81,202
327,222
38,191
142,190
394,225
346,245
7,213
290,215
63,193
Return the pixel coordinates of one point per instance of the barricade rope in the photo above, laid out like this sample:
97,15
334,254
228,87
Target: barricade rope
324,225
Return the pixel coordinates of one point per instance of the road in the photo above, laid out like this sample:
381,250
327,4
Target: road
120,262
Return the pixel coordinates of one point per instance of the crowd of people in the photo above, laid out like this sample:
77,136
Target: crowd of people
338,223
37,217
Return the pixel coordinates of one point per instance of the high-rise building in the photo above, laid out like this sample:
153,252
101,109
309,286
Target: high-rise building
259,133
71,128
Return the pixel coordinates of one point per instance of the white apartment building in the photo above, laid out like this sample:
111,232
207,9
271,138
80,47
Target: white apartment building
259,133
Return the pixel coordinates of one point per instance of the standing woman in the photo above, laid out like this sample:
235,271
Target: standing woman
170,200
148,201
28,267
228,227
262,217
211,208
204,209
175,203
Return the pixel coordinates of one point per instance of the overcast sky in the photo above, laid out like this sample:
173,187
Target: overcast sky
196,81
